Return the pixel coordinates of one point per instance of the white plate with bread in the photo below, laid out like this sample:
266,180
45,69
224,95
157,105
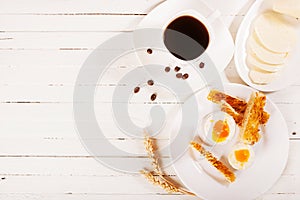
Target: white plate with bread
250,161
268,45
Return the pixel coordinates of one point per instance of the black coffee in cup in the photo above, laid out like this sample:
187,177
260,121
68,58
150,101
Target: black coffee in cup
186,38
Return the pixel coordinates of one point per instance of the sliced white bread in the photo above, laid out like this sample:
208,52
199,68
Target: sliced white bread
254,62
274,33
288,7
264,54
261,77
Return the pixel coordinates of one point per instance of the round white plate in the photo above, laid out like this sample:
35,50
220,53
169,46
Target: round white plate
221,47
291,70
271,154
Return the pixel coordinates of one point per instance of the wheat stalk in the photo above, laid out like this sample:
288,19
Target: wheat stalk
160,180
156,180
164,183
151,150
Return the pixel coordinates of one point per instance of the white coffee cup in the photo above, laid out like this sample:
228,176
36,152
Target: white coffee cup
190,34
220,46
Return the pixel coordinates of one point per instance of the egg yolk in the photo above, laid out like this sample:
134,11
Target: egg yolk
242,155
220,131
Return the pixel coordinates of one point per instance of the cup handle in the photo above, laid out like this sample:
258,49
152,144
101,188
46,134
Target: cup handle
213,16
231,7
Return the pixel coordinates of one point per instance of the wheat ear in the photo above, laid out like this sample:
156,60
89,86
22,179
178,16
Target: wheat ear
156,180
159,179
151,148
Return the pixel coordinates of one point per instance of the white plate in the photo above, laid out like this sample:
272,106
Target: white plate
291,69
270,159
221,47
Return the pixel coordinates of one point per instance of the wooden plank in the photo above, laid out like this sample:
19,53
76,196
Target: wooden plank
10,166
48,112
66,129
72,196
231,74
62,76
286,184
66,23
75,23
52,58
48,58
77,7
85,170
80,165
103,185
89,7
59,89
122,185
57,118
53,40
64,147
279,196
287,95
63,166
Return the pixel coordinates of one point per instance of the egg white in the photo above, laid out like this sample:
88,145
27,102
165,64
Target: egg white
241,165
209,122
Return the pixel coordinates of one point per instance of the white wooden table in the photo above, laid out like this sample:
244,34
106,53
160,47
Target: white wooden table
43,44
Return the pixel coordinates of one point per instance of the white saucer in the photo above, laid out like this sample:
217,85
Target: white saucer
221,47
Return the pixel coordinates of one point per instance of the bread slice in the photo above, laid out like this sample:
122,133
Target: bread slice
274,33
253,61
239,105
264,54
288,7
222,168
260,77
225,107
233,106
249,131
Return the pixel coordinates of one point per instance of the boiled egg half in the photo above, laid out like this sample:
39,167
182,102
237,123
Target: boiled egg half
219,128
241,156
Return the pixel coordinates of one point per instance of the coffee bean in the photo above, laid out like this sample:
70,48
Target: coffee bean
185,76
179,75
153,97
150,82
149,51
136,90
176,69
167,69
201,65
